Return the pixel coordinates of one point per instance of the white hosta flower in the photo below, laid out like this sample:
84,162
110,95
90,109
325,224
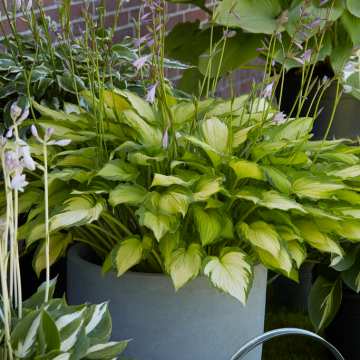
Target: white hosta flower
347,89
63,142
11,161
27,161
18,182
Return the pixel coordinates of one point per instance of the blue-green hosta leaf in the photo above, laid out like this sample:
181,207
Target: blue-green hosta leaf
148,134
176,199
275,200
160,224
277,179
246,169
249,193
69,322
77,211
185,263
168,243
349,229
324,301
282,264
262,235
58,245
141,157
306,185
232,272
292,130
210,223
298,251
98,322
99,350
54,355
259,17
130,251
120,170
128,194
206,186
164,180
23,337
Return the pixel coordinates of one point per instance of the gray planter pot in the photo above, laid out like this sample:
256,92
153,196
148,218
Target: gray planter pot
195,323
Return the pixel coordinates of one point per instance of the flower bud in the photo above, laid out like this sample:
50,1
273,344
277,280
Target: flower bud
15,112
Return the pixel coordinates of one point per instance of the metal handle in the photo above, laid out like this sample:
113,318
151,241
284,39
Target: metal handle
281,332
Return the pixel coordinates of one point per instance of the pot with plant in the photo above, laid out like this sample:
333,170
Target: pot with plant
208,194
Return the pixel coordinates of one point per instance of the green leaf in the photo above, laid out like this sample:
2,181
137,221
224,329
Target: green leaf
28,199
58,244
141,157
71,83
68,174
292,130
342,264
48,335
210,223
231,272
176,199
130,251
354,7
349,229
168,243
54,355
352,25
351,276
120,170
185,263
97,186
23,337
124,52
206,186
298,251
160,224
276,200
249,193
306,185
128,194
38,299
98,322
277,179
260,234
347,173
164,180
246,169
240,136
256,17
324,301
100,350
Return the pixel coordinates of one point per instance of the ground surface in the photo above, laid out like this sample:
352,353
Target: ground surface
290,347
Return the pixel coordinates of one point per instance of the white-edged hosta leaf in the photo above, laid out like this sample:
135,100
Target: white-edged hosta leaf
23,337
98,322
185,263
246,169
349,229
262,235
232,272
160,224
128,194
58,244
168,243
130,251
206,186
298,251
277,179
176,199
99,350
38,299
315,187
54,355
210,223
324,301
249,193
275,200
120,170
164,180
48,334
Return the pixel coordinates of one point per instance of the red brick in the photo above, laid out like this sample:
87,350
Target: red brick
172,8
174,20
246,87
195,15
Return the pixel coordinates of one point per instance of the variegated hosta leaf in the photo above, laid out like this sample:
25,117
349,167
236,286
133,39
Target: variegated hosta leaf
99,350
351,276
98,322
298,251
97,186
206,186
128,194
326,225
168,243
316,211
347,173
185,263
262,235
315,187
38,299
54,355
231,272
120,170
130,251
277,179
176,199
346,209
249,193
315,238
23,337
69,322
160,224
77,211
276,200
241,136
211,135
350,196
324,301
279,217
48,334
163,180
141,157
349,229
58,245
246,169
282,264
210,223
291,130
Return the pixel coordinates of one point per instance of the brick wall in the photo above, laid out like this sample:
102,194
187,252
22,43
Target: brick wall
242,78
